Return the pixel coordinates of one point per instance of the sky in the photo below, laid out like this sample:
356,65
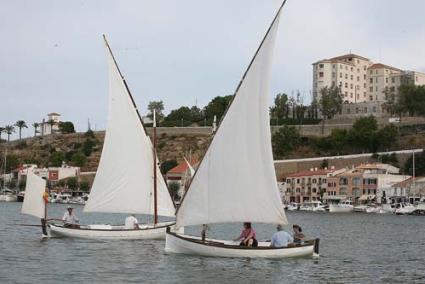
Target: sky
183,52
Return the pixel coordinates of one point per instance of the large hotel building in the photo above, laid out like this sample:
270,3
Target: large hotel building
359,79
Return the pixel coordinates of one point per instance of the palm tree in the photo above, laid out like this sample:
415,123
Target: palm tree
35,125
51,122
21,124
2,129
9,129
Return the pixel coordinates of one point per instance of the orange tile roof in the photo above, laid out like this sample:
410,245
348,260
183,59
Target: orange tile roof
310,173
182,167
380,65
405,182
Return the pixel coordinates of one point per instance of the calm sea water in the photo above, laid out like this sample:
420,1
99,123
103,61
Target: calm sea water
355,248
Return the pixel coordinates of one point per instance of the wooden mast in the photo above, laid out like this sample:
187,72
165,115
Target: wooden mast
155,200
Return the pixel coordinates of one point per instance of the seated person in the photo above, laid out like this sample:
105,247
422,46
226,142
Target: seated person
298,235
281,238
247,236
70,219
131,223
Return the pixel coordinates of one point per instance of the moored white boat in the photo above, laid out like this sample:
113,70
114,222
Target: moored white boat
293,206
373,209
343,207
404,209
228,187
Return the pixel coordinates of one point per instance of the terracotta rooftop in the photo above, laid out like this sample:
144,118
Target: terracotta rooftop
182,167
319,172
405,182
380,65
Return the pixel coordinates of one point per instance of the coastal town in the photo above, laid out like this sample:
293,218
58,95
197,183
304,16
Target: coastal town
216,142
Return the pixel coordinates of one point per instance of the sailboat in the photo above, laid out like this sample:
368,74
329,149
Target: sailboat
34,203
128,179
6,194
236,181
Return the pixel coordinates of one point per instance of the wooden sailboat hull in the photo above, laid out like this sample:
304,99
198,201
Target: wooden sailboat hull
184,244
112,232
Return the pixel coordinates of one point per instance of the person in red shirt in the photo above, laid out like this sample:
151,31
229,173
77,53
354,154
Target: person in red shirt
247,236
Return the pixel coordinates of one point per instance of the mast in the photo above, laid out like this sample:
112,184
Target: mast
233,97
155,200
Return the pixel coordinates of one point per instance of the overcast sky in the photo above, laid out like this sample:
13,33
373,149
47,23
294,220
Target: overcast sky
52,57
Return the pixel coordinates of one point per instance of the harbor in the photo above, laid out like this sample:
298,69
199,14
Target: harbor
357,248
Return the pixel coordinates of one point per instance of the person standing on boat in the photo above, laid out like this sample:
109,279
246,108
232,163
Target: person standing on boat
298,234
247,236
281,238
70,219
131,223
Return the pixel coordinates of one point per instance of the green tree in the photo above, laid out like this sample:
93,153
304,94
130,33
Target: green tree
174,188
79,159
279,110
56,159
11,184
217,107
88,146
419,165
330,103
286,139
177,116
84,186
158,106
387,136
9,130
363,134
89,134
35,125
21,124
168,165
72,183
66,127
338,139
12,162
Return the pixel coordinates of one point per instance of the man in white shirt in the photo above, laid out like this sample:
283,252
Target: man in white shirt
131,223
281,238
70,219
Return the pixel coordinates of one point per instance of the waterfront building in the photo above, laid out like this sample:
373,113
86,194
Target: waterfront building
52,174
363,183
181,175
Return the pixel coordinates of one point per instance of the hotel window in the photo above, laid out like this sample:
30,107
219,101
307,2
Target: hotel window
351,68
371,80
376,88
333,66
357,110
351,77
364,94
374,109
392,80
346,76
320,65
392,89
386,80
346,94
364,85
340,75
333,74
358,78
351,86
364,68
351,95
321,74
358,70
370,89
298,180
371,99
364,77
371,72
346,84
376,79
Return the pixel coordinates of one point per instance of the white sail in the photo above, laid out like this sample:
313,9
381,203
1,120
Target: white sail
34,191
236,181
124,179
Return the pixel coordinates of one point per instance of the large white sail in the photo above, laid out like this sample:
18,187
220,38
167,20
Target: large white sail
124,179
34,190
236,180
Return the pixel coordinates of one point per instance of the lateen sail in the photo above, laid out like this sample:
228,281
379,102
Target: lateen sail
124,179
236,181
34,191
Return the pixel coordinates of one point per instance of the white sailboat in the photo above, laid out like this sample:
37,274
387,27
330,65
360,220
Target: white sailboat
128,179
236,181
6,194
34,203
